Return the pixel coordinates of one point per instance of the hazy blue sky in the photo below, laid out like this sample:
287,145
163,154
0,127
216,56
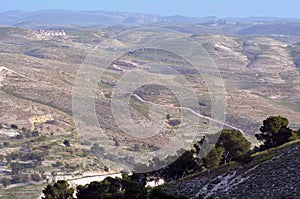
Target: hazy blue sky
220,8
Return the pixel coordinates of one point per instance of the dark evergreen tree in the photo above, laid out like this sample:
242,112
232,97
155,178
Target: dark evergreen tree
234,144
214,157
112,188
274,132
59,190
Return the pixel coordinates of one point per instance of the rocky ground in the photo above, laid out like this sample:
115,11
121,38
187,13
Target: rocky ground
271,174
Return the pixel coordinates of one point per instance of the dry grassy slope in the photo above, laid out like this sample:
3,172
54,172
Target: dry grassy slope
49,67
271,174
225,51
50,64
268,55
260,77
257,53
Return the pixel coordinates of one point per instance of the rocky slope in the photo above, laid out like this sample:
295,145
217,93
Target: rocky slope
271,174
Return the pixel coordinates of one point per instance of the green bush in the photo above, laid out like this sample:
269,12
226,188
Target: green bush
36,177
67,143
6,144
14,126
35,134
294,136
20,178
5,181
174,122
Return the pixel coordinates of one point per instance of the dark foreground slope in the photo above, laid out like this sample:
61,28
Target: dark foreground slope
274,173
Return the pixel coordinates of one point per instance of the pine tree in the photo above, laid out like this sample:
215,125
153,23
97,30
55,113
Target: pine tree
234,144
274,132
59,190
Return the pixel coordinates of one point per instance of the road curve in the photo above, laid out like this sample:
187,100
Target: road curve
192,111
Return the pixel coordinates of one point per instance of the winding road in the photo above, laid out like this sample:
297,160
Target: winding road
190,110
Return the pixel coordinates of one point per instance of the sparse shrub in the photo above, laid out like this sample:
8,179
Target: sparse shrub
70,150
13,156
17,167
36,177
25,130
107,95
86,143
67,166
6,144
294,136
2,157
174,122
136,148
27,134
20,178
13,126
45,147
19,136
59,164
29,146
67,143
106,169
41,138
168,117
35,134
35,155
5,182
37,163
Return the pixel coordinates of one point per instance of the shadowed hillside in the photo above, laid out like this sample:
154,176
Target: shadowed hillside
273,174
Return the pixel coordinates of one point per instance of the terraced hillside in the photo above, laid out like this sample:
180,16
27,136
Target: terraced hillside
261,77
259,74
37,77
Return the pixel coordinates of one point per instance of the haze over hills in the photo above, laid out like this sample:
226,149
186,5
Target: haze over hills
76,19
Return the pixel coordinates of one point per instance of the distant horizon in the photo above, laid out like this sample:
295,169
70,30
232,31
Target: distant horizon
223,17
187,8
